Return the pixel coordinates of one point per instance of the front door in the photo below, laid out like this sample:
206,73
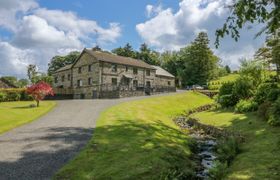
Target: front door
94,94
148,88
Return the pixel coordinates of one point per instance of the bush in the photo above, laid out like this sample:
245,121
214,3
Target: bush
13,96
226,88
273,94
218,171
246,106
228,100
265,91
243,88
3,96
274,113
25,97
263,110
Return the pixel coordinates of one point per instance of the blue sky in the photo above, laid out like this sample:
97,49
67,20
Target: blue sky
126,12
33,31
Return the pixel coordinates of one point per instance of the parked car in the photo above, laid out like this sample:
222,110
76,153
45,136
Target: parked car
197,87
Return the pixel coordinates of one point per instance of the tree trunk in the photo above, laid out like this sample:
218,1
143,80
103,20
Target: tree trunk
37,103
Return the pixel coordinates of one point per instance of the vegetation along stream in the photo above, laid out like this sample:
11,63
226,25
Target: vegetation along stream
214,149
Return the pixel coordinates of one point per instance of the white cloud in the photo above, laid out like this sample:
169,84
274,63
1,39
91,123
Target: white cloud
169,30
34,31
13,60
69,22
9,10
38,34
153,10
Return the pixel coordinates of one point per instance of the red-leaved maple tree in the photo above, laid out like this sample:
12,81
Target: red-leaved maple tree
39,90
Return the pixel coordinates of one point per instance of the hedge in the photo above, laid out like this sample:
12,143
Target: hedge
14,94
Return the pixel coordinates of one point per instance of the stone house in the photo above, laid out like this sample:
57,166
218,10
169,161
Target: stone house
6,84
97,74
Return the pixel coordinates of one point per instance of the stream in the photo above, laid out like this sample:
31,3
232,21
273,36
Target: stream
205,148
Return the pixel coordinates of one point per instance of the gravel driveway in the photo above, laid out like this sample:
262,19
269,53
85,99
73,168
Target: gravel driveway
38,149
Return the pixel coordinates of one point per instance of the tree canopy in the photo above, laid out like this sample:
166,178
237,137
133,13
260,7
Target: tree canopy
250,11
126,51
61,61
198,62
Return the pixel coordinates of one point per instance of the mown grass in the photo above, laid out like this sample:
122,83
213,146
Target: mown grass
137,140
260,154
216,84
14,114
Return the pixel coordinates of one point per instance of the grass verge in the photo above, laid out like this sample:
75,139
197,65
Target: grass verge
137,140
260,154
14,114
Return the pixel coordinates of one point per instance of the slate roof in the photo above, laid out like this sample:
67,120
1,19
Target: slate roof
162,72
112,58
64,68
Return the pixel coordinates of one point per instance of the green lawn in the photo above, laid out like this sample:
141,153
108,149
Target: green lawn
137,140
216,84
260,156
14,114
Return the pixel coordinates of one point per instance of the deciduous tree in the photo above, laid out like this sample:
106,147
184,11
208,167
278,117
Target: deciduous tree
250,11
39,90
61,61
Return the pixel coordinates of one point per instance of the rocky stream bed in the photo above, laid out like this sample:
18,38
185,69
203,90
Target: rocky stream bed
205,145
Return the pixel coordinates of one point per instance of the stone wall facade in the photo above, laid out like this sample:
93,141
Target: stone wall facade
165,81
91,78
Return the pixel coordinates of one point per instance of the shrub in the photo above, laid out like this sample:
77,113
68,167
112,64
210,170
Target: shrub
265,91
218,171
3,96
25,97
263,110
226,88
228,100
273,94
243,88
274,113
13,96
246,106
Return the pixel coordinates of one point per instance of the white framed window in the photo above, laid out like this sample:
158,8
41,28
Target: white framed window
80,83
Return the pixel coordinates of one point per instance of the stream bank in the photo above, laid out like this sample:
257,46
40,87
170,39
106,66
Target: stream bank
208,140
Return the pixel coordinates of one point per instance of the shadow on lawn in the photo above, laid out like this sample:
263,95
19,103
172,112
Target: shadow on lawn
43,156
132,150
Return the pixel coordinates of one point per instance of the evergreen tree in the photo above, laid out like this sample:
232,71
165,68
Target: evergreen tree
199,62
228,69
147,55
126,51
